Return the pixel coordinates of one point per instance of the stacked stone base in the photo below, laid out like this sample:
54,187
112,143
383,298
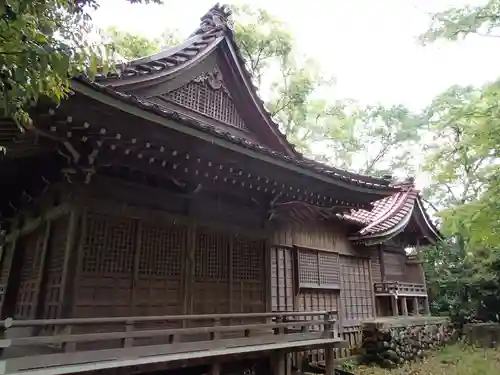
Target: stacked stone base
390,342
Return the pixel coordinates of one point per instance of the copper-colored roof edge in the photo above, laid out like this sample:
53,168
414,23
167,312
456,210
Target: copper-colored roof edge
438,235
392,231
390,212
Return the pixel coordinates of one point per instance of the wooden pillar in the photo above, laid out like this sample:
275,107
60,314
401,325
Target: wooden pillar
215,370
382,261
42,275
189,260
395,309
278,362
66,296
372,288
427,310
329,361
415,306
404,306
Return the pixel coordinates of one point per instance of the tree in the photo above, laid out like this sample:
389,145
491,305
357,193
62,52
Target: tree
464,163
373,139
268,49
456,23
42,44
131,46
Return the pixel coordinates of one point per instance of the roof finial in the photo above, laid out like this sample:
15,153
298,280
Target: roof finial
217,18
409,182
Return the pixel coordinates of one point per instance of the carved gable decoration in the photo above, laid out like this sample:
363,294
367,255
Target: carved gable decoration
207,94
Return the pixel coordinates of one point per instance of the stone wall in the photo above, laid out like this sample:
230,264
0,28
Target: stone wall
486,335
390,342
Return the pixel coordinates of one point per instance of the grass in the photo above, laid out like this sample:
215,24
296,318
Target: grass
451,360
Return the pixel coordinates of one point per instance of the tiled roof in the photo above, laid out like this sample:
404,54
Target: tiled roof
216,26
386,212
336,173
389,215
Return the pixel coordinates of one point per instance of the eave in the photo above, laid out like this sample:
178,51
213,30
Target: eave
390,217
172,120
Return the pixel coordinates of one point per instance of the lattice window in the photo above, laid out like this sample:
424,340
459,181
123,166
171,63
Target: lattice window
161,249
248,259
211,256
356,288
214,103
318,269
109,245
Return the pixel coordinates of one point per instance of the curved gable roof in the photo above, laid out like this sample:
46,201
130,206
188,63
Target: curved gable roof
391,215
215,33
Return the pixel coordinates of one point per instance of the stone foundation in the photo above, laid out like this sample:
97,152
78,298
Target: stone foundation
390,342
485,335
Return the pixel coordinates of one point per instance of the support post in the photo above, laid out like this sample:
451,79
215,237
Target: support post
329,361
395,309
427,310
404,306
415,306
382,261
215,370
278,363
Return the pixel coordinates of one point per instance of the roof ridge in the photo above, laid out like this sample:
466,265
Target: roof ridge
218,17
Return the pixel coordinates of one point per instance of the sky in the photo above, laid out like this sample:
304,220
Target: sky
370,47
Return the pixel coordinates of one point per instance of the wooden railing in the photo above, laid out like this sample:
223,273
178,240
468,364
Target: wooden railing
28,345
399,288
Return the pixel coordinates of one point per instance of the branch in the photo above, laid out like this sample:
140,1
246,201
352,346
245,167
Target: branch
431,205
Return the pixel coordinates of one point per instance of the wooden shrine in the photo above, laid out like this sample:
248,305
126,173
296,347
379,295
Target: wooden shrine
157,219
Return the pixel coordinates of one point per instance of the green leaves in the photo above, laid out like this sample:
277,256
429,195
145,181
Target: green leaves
458,23
42,44
131,46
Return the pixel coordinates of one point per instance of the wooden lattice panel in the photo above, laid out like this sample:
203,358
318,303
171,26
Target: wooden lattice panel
106,269
308,268
248,259
211,255
32,248
356,291
110,245
211,286
282,275
161,250
318,269
213,103
54,269
248,265
329,270
158,288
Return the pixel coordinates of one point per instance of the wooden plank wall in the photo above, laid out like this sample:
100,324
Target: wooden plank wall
414,273
356,268
130,260
151,264
395,264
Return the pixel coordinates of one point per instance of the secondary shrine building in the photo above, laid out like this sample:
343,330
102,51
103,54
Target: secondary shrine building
158,219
